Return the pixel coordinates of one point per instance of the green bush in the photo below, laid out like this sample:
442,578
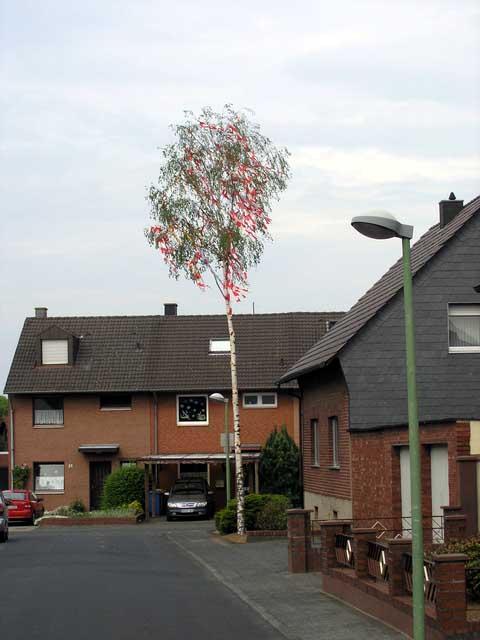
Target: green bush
77,506
255,505
471,548
273,516
20,476
123,486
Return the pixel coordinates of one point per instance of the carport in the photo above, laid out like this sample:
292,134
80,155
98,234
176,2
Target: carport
165,468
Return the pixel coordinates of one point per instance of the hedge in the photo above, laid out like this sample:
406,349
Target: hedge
124,486
262,511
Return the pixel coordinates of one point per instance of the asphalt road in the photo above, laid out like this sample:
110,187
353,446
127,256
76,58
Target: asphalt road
114,582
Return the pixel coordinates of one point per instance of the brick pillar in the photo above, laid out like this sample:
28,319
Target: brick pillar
299,539
328,531
361,537
454,524
451,601
396,549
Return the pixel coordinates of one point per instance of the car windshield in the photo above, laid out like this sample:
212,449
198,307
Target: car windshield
187,489
14,495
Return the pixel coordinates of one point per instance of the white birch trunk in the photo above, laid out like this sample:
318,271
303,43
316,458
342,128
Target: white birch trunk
236,418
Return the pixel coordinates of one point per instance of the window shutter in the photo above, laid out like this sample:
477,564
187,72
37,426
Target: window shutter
54,351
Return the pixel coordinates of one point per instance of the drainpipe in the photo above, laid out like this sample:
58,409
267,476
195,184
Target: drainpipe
155,423
155,433
12,440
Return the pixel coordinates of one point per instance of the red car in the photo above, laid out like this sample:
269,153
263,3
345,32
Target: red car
24,505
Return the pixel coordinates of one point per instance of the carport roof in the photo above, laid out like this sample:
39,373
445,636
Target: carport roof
195,458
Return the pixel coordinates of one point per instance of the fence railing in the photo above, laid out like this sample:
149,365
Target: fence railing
391,527
377,561
429,586
344,550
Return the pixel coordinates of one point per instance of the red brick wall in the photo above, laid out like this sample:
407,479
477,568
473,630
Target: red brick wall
85,423
323,398
376,469
255,424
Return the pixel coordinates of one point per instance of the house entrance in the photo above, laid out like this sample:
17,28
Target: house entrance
98,474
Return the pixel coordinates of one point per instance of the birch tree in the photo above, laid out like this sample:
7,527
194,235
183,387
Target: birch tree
211,214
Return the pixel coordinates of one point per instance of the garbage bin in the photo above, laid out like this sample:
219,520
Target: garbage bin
158,502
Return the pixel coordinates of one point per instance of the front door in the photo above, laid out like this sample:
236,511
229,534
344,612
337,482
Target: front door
98,474
440,492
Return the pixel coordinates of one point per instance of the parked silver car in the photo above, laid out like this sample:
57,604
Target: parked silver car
3,518
190,498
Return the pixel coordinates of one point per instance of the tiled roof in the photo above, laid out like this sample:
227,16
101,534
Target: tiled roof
165,353
377,297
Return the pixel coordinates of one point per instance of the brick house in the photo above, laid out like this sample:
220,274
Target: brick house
4,454
88,394
353,382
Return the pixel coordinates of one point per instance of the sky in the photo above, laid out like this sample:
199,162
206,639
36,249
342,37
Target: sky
378,103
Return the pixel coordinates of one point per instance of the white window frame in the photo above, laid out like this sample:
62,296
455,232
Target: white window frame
219,346
193,423
48,491
459,309
55,359
259,404
333,426
315,442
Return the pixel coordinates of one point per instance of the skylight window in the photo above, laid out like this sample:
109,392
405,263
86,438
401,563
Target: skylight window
221,345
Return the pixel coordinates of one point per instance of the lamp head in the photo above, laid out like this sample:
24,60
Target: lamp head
218,397
381,225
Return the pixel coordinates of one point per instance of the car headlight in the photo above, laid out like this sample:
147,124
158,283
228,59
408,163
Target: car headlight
201,504
174,505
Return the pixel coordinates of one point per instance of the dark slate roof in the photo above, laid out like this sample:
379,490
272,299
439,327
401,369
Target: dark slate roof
327,348
165,353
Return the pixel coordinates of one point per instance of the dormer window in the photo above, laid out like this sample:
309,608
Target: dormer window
54,351
219,345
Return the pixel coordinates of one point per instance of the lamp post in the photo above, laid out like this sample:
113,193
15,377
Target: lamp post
382,225
218,397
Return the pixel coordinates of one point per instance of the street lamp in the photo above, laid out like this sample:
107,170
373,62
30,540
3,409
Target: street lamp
218,397
382,225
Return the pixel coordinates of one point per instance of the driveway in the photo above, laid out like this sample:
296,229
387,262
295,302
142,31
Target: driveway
172,579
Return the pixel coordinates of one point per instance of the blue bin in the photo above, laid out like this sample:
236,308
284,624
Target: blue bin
158,502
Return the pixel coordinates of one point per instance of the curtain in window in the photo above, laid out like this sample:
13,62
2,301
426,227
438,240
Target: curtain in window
464,331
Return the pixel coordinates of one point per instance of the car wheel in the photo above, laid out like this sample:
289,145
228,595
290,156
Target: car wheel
3,536
169,518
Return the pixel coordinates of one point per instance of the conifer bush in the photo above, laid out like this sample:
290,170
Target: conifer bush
280,466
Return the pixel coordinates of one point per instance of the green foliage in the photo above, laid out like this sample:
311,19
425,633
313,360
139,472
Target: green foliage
280,466
214,190
273,516
20,476
262,511
77,506
471,548
123,486
3,406
136,506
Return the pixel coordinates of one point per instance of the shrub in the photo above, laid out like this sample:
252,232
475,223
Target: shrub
273,516
77,506
20,476
255,504
136,505
280,466
471,548
123,486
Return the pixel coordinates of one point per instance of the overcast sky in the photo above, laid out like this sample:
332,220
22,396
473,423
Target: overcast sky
377,101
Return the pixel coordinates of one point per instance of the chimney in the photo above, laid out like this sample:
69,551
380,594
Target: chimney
41,312
170,308
449,209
